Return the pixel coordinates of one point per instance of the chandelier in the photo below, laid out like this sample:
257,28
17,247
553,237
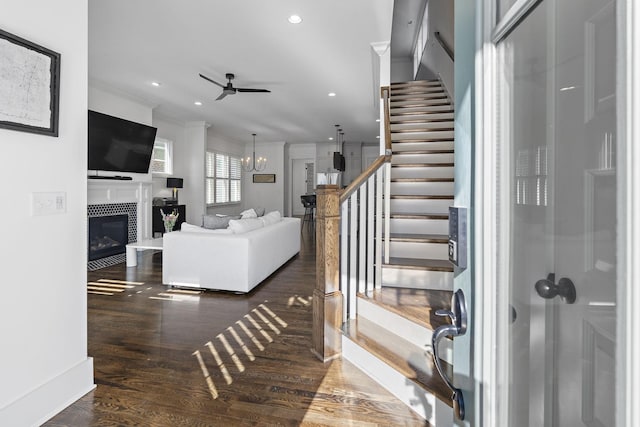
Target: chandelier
254,163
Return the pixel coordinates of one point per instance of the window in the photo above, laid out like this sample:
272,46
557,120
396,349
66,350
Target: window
162,157
223,179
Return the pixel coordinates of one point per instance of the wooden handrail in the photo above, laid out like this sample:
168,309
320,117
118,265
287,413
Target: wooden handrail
385,93
444,44
370,170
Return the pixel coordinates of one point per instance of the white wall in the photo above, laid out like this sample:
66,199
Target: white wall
269,196
189,165
118,105
43,309
435,62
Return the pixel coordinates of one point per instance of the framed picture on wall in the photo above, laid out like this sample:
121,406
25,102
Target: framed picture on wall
29,87
264,178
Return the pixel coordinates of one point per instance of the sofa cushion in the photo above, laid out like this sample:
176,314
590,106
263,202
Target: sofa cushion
271,218
239,226
214,222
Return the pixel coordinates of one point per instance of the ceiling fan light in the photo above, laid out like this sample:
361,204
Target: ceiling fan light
294,19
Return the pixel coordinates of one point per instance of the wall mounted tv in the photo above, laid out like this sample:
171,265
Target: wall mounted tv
119,145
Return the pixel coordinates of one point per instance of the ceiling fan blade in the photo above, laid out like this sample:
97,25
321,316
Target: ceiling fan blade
222,95
212,81
253,90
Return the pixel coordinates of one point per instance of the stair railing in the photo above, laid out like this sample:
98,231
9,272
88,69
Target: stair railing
349,245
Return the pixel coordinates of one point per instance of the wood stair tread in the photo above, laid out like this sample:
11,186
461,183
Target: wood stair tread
420,264
401,153
418,113
425,129
421,179
418,238
384,346
421,197
421,165
419,215
421,140
416,305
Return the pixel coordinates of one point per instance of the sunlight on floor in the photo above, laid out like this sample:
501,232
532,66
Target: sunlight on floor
236,338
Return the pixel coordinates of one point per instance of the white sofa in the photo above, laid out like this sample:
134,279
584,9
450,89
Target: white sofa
217,259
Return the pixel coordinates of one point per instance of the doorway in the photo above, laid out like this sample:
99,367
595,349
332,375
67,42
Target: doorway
302,182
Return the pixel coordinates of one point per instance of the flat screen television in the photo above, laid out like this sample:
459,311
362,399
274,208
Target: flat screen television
119,145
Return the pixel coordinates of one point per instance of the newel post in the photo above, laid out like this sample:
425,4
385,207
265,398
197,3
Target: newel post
327,298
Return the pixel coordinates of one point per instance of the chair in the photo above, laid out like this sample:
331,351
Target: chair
309,203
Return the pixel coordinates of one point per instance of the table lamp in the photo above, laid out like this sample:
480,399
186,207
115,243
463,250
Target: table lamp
175,183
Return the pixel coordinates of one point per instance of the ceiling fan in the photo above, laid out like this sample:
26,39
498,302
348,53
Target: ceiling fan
228,89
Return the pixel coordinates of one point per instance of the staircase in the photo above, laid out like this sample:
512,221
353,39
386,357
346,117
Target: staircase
390,338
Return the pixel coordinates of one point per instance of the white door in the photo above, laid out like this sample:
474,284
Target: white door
557,139
302,182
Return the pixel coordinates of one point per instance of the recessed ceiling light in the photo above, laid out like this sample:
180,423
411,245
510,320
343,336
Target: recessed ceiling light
156,84
294,19
198,103
564,89
377,120
330,138
332,94
378,137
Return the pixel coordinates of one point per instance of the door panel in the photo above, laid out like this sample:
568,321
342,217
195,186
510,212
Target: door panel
557,124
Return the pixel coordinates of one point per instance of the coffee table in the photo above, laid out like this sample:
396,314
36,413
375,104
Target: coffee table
133,248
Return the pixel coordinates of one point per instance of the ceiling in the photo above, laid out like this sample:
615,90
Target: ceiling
134,43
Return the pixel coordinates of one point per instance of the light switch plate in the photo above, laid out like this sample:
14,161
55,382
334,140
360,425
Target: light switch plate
49,203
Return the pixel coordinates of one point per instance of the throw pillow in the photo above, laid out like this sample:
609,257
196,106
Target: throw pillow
240,226
249,213
272,218
214,222
259,211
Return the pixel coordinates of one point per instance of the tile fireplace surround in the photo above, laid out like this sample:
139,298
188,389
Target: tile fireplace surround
107,197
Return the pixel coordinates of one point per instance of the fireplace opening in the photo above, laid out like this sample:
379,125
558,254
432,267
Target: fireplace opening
108,235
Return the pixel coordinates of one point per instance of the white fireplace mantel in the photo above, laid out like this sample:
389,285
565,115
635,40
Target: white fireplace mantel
103,192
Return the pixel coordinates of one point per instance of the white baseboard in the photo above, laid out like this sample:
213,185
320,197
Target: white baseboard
43,403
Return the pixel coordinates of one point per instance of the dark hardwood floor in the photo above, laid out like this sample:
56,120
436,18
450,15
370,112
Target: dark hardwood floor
165,357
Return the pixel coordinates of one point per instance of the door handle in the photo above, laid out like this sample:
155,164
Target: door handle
458,327
547,289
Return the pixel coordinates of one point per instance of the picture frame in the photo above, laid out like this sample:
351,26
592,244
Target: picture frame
264,178
30,87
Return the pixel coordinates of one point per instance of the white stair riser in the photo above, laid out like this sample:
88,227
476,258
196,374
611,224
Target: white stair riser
425,118
419,250
396,112
418,335
419,146
417,279
435,134
428,205
422,172
425,404
422,188
435,102
403,159
417,226
418,126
